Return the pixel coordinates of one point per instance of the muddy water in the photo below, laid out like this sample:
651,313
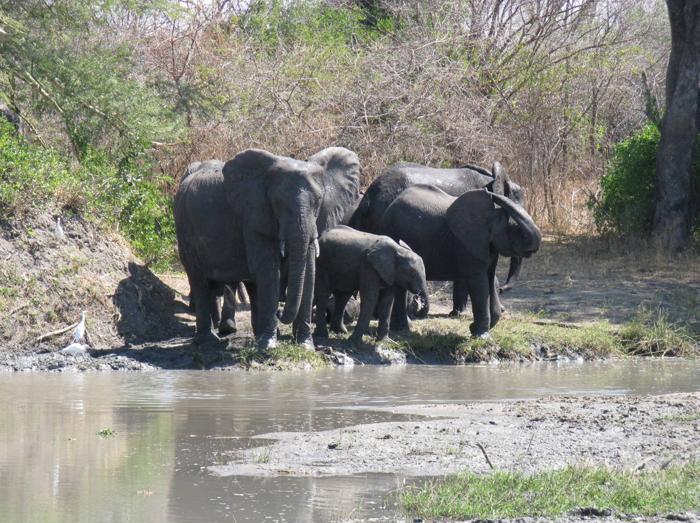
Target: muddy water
171,426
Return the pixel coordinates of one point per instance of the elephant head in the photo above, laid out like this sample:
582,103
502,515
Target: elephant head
280,200
398,265
479,225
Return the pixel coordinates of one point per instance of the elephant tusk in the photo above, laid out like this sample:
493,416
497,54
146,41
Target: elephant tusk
282,249
316,247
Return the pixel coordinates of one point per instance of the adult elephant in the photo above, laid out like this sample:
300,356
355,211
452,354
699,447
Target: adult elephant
455,182
461,238
235,222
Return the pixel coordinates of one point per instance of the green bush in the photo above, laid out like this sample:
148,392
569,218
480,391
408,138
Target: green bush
123,194
626,205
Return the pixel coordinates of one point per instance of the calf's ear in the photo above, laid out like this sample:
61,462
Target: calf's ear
382,257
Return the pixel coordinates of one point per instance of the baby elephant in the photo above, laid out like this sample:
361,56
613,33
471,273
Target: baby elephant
375,265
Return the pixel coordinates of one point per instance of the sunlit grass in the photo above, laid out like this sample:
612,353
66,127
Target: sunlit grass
510,495
528,337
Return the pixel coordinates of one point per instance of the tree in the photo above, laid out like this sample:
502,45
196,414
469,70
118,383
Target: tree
674,161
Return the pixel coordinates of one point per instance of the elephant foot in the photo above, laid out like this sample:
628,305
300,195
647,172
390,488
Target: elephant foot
307,343
454,313
400,327
356,341
339,329
479,332
226,328
267,343
321,334
205,338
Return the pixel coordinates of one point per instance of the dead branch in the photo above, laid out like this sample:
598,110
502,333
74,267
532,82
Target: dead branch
55,333
483,451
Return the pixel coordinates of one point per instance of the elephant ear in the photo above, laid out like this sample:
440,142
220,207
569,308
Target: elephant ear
469,218
382,257
246,190
341,185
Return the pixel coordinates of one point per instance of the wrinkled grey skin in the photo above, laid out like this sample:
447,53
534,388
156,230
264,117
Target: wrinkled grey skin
235,222
455,182
375,265
461,239
337,207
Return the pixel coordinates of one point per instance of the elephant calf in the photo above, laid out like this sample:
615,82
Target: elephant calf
375,265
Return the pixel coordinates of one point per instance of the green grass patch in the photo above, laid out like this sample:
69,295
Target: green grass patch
529,337
285,355
682,418
106,433
549,494
654,335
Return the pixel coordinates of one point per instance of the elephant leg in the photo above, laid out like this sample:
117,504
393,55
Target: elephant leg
227,324
338,312
495,307
252,295
479,292
384,305
215,308
460,296
369,295
242,294
202,293
399,318
267,301
322,294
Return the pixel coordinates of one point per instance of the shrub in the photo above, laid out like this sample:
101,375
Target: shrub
626,206
122,193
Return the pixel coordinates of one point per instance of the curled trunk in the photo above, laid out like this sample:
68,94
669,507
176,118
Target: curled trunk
529,235
516,262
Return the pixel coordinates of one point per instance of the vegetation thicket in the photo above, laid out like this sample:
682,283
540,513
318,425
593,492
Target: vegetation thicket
117,97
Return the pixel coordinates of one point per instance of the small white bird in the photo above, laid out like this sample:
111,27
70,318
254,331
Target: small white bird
74,349
79,332
58,231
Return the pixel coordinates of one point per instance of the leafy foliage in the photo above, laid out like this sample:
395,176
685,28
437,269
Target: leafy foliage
33,177
626,205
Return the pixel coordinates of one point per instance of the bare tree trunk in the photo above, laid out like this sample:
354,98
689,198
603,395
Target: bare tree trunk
674,162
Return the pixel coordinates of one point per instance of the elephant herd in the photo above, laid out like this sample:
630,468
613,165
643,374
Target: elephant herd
303,229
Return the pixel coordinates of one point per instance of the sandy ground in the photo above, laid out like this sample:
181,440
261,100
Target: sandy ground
626,432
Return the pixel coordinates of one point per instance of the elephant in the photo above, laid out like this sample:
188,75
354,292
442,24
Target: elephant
461,238
333,211
387,187
352,260
237,221
224,316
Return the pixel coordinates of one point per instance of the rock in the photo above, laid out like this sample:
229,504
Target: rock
591,512
390,356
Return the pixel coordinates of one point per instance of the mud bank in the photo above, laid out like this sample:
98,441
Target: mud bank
623,432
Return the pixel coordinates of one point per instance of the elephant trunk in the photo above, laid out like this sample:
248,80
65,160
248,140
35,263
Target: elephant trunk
423,303
516,262
529,235
298,251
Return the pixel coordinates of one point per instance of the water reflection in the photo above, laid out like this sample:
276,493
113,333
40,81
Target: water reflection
171,426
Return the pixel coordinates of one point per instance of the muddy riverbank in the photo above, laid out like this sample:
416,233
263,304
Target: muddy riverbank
630,432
